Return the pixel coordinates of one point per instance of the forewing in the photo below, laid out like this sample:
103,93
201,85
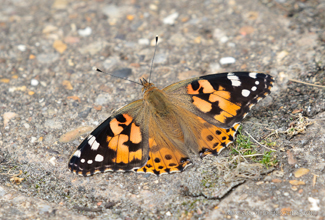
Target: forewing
119,144
221,99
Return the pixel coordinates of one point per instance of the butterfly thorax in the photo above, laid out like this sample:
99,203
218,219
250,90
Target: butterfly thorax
155,98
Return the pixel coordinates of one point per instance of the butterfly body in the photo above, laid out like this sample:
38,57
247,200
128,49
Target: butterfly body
156,134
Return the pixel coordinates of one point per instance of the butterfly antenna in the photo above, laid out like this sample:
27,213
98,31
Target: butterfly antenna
153,57
119,77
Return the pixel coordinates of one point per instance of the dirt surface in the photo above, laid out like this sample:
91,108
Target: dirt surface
48,87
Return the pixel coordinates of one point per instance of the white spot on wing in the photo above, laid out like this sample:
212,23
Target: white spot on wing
92,142
254,88
77,153
257,82
252,75
90,161
245,92
82,160
99,158
95,145
234,79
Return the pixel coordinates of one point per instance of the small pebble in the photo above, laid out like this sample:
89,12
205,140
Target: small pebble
112,11
52,161
47,58
314,204
124,72
34,82
170,19
44,209
143,41
153,7
84,113
85,32
110,63
43,83
27,126
224,39
33,139
227,60
21,47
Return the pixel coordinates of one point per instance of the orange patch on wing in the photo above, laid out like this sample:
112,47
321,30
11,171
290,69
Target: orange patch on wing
136,155
128,119
223,116
122,150
152,142
206,85
224,104
135,134
163,159
190,90
222,94
108,139
113,143
201,104
213,139
115,124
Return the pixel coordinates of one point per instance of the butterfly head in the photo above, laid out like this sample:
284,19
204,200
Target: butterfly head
146,85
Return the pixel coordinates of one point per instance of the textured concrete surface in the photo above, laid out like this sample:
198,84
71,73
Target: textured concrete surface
48,87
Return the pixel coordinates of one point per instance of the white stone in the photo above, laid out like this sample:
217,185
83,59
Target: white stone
85,32
143,41
52,161
34,82
27,126
314,204
33,139
170,19
227,60
21,47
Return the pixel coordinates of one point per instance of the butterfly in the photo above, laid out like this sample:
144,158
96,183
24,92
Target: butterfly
156,134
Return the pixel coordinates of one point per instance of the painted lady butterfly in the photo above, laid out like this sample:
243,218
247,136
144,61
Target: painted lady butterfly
156,133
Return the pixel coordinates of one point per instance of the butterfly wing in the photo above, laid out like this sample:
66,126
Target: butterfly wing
221,99
119,143
215,105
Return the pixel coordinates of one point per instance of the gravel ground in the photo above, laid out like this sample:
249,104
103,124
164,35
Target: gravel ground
48,50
